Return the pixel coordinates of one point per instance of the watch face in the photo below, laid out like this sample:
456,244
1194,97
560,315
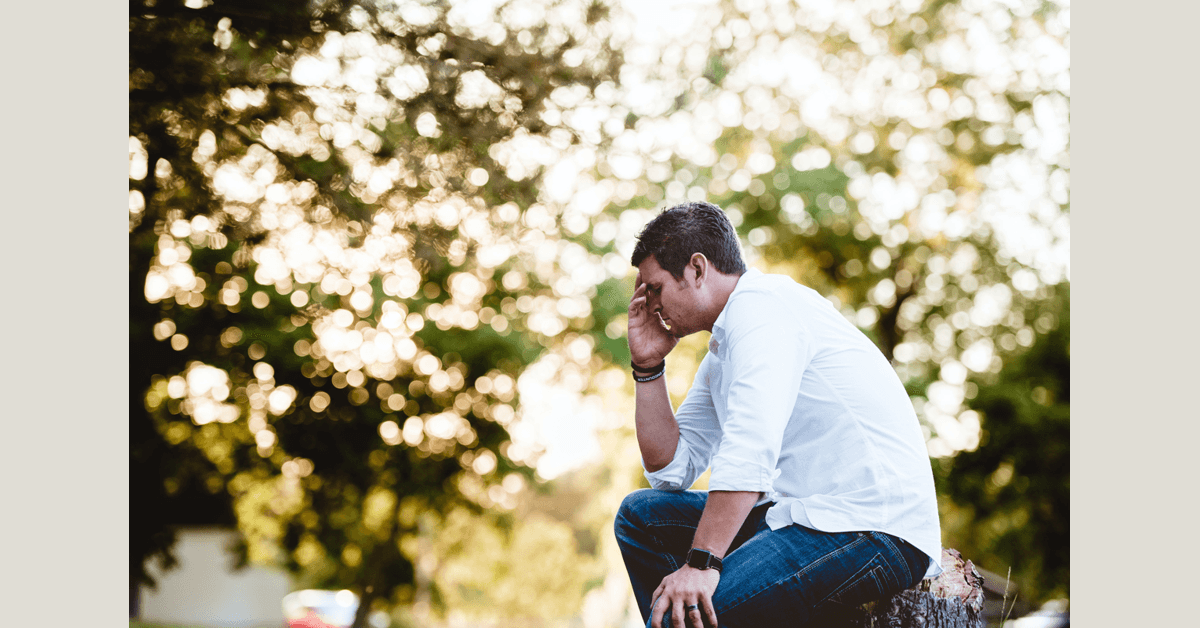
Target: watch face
701,559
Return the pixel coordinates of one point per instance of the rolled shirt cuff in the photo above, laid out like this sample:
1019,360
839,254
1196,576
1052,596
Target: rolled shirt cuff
673,476
740,475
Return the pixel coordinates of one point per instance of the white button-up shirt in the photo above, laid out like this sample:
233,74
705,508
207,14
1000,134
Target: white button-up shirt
794,401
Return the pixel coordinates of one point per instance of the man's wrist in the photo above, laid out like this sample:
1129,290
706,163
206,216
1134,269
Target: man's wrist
703,559
647,370
643,375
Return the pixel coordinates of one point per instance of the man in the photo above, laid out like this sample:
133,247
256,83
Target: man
821,494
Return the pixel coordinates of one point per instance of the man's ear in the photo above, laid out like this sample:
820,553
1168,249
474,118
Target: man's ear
699,263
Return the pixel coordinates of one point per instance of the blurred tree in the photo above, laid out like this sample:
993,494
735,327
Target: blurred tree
1009,500
339,266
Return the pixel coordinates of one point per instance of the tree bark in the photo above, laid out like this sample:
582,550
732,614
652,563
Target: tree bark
952,600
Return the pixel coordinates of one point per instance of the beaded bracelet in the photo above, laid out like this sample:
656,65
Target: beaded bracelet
653,369
641,379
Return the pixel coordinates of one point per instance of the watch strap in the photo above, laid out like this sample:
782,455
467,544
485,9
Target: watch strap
703,559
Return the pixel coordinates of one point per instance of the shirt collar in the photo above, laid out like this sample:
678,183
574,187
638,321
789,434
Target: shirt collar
718,333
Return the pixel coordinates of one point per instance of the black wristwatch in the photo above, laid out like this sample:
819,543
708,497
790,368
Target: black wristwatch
703,559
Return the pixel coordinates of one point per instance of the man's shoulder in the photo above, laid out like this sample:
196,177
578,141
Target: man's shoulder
758,290
777,302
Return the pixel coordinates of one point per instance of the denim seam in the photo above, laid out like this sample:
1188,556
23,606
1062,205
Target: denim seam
841,550
670,522
908,577
872,568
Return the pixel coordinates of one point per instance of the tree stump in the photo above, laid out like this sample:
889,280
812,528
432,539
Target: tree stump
952,600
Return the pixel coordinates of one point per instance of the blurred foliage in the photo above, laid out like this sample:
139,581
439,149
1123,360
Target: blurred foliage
1009,500
338,269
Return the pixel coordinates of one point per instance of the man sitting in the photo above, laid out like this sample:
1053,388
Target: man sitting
821,494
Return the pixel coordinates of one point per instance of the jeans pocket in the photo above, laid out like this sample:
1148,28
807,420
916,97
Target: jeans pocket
867,584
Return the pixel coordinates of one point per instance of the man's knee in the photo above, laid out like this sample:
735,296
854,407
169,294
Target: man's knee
630,516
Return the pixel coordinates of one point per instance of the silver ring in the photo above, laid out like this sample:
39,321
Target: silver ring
691,607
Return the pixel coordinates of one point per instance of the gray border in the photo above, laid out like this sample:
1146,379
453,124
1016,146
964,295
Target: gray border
65,464
1134,153
65,421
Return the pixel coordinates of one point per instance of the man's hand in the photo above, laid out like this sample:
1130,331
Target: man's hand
649,339
687,587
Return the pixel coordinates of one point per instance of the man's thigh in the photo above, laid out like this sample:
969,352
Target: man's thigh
671,518
795,574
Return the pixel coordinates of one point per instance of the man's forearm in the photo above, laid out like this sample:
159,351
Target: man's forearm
723,516
657,431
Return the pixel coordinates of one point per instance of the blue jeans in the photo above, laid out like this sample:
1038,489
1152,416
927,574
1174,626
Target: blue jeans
788,576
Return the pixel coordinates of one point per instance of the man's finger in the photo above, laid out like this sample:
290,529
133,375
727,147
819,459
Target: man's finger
706,607
655,610
678,615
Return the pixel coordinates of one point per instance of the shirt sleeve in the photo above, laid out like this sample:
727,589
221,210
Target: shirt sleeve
699,432
768,348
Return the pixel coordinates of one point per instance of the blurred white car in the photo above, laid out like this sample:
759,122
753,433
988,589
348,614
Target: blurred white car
314,608
1053,614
